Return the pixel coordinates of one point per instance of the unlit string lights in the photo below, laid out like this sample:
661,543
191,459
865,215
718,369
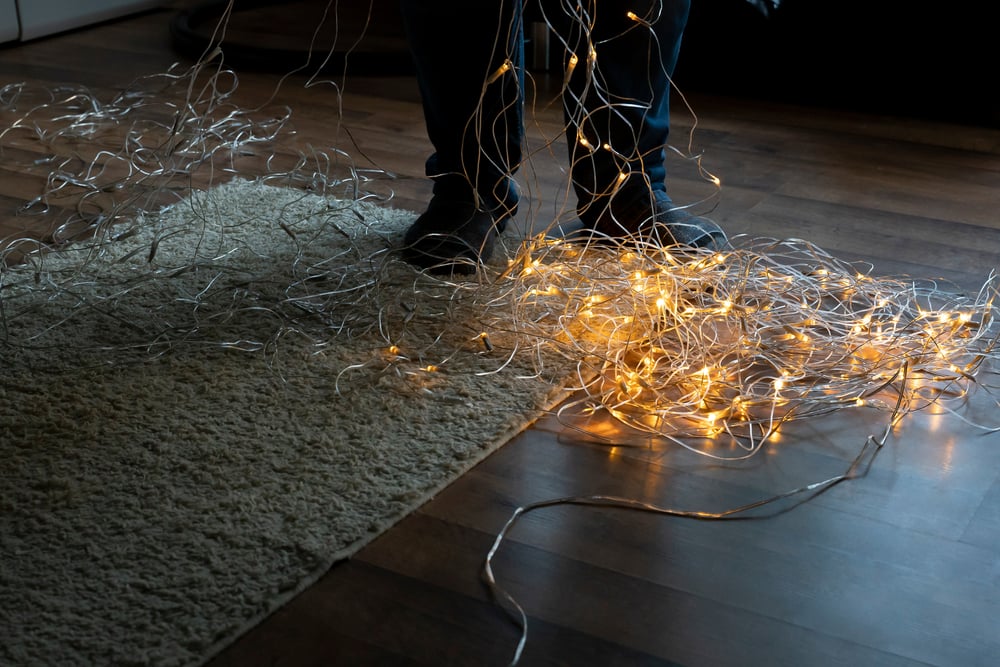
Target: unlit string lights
102,162
713,351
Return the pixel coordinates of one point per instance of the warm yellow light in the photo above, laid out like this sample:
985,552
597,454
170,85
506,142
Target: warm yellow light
687,337
503,69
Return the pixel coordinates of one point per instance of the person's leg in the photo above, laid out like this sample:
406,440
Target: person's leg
468,58
617,104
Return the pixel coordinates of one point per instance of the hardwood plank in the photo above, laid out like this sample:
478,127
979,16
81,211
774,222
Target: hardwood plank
984,525
599,601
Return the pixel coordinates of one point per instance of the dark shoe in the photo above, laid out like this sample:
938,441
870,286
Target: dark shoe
637,217
451,237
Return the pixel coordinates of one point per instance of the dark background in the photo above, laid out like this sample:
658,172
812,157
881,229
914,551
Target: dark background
930,60
935,60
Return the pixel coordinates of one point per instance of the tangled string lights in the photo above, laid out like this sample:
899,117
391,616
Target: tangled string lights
713,351
694,346
103,161
686,345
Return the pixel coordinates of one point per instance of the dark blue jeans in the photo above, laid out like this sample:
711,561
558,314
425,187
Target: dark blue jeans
617,111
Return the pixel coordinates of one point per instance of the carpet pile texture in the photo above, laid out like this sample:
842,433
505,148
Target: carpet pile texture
201,414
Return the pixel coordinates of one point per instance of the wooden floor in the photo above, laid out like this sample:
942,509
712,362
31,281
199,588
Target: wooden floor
899,567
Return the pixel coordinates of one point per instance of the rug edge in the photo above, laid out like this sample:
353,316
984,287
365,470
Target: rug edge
557,395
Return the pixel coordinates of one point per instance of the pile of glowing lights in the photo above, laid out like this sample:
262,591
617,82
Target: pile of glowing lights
696,345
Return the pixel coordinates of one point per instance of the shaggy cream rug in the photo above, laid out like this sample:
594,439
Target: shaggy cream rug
203,411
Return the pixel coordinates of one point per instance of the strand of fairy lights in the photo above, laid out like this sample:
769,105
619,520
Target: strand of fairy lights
702,345
696,348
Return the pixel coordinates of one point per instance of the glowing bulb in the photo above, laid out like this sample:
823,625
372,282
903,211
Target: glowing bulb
503,69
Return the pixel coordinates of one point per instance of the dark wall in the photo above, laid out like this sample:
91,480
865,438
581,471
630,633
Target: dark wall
936,60
931,60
